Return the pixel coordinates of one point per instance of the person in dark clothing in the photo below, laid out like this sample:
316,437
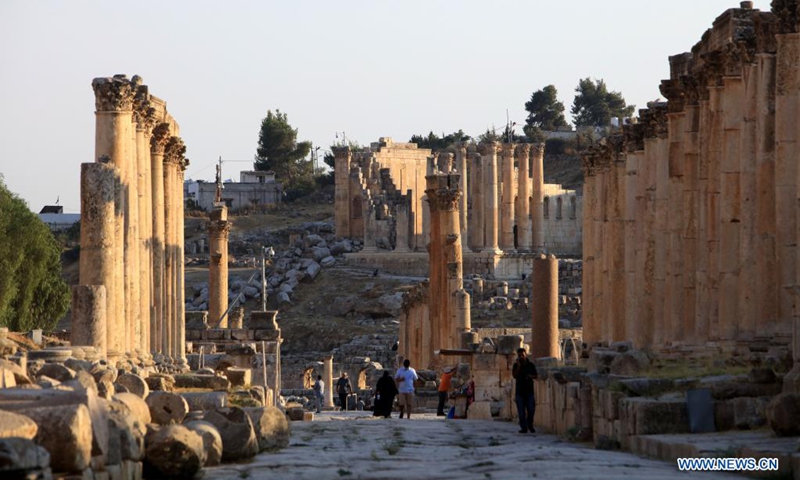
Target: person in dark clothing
524,372
385,391
344,389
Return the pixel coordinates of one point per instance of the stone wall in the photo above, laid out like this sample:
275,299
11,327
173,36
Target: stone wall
562,221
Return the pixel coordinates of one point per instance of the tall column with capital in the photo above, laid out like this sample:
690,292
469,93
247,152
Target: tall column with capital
461,167
591,331
537,194
491,198
523,205
132,239
218,230
633,197
173,159
659,143
691,217
158,329
180,299
509,197
446,266
143,118
114,109
476,218
716,136
341,173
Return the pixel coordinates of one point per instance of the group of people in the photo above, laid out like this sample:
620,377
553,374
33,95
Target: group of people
402,386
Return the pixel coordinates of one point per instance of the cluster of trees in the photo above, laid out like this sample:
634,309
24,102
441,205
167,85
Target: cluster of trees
278,150
33,293
594,105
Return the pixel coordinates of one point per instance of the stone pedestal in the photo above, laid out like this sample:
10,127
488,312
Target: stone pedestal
544,330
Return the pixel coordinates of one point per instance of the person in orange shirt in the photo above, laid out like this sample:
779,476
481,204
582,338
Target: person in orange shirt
444,387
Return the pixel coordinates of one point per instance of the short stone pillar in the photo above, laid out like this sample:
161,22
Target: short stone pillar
544,333
89,317
328,374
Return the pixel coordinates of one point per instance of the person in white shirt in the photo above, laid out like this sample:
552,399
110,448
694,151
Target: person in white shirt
405,384
319,392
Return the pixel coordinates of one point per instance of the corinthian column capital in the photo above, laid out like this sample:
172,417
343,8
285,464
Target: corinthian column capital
160,138
113,94
174,151
488,148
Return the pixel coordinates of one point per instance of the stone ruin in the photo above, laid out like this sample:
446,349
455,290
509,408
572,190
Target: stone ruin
504,208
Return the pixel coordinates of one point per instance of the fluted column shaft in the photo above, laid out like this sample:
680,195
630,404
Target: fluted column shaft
491,196
747,196
630,249
218,266
158,326
591,332
509,197
522,208
691,159
461,167
675,223
537,194
145,232
476,219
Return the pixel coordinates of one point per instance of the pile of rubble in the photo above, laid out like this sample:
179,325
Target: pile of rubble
76,418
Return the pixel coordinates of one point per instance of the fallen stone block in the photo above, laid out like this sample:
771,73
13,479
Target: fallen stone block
783,414
296,414
173,451
271,426
125,433
205,400
20,376
748,412
238,436
167,407
210,382
160,382
16,425
66,432
22,458
56,371
138,407
135,384
631,362
239,376
212,441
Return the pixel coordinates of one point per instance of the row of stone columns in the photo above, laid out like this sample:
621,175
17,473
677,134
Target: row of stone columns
507,199
132,226
690,225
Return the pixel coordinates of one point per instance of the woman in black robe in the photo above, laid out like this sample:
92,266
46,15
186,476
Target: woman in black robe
385,392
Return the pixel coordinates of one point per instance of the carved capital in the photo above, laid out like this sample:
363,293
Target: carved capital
142,109
488,148
507,150
159,139
443,191
654,120
174,151
113,94
341,151
787,13
537,149
691,90
220,227
674,92
523,150
634,137
589,162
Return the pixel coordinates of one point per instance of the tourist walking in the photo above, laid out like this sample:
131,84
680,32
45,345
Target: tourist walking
385,391
524,372
319,392
405,380
344,389
444,388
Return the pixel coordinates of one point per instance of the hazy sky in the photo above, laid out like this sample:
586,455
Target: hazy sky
369,68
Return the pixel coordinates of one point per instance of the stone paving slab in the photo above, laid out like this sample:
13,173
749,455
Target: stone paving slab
354,445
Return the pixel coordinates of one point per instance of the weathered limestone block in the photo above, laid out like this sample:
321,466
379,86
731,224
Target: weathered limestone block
479,411
16,425
508,344
134,384
600,360
22,458
125,433
137,406
239,376
238,436
173,451
78,365
89,316
212,441
730,390
650,417
200,401
66,432
82,381
167,407
271,426
783,414
748,412
19,374
56,371
210,382
160,382
630,363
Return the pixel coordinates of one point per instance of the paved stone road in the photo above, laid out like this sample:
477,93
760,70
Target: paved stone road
353,445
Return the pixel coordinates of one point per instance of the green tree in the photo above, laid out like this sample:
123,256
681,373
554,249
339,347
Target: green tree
278,150
594,105
437,143
545,112
32,292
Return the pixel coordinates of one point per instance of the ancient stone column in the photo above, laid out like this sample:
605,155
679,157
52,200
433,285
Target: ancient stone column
402,214
328,374
114,105
461,167
132,239
600,276
730,206
615,243
89,317
522,207
370,225
716,135
144,118
509,197
341,173
660,145
633,145
173,157
544,328
787,104
537,194
591,331
158,329
766,293
446,267
218,230
488,151
645,231
476,219
691,159
98,182
180,299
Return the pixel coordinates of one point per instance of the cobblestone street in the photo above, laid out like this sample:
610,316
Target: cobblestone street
354,445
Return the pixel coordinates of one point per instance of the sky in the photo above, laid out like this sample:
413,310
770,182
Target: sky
370,69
